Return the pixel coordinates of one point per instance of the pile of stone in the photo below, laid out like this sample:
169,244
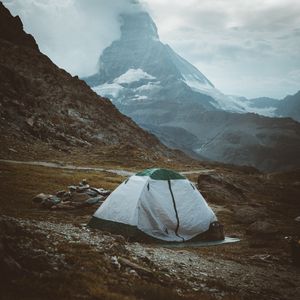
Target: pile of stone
77,196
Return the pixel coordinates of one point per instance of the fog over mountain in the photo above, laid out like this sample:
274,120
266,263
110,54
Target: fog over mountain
244,48
164,93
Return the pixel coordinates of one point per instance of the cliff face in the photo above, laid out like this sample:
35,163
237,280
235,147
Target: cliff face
44,107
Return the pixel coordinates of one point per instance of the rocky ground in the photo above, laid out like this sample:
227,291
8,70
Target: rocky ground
52,254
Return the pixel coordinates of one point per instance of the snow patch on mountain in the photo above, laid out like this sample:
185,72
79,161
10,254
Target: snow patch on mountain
139,98
148,87
133,75
114,89
227,102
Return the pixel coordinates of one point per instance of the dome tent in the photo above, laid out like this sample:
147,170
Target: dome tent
160,203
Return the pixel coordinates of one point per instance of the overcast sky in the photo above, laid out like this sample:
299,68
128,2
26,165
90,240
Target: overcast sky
245,47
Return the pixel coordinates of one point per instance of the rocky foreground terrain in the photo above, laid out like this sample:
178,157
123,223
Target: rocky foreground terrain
49,253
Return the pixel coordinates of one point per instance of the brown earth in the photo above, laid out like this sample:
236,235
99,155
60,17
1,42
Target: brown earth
59,257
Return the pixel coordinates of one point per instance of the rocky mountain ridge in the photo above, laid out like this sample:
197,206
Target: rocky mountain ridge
45,110
290,107
171,98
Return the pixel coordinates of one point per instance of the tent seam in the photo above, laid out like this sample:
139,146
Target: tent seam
176,212
139,200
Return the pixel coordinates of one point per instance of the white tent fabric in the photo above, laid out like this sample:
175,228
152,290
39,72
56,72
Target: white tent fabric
170,210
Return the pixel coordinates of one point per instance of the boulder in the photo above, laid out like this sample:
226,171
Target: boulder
262,228
248,214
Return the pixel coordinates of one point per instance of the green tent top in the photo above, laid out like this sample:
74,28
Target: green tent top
160,174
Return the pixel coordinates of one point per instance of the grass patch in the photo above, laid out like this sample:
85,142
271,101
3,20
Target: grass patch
20,183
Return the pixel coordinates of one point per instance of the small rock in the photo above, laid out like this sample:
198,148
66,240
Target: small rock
297,219
79,197
72,188
261,257
40,198
60,193
133,272
49,202
95,200
101,191
91,193
30,122
83,182
12,150
138,268
82,188
115,262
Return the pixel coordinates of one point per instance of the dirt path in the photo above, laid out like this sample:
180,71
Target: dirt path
120,172
68,167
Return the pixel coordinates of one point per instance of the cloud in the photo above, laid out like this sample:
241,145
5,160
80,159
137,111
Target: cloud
249,48
241,46
73,33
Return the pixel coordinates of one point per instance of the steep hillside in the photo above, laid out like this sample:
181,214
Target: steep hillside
44,111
